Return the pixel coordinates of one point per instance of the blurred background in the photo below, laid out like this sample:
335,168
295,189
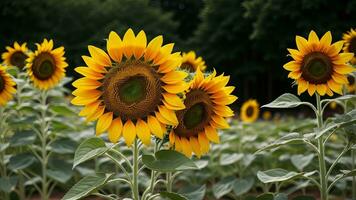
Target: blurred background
246,39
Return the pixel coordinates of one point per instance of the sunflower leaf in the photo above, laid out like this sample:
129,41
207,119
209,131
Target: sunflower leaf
89,149
276,175
287,100
168,161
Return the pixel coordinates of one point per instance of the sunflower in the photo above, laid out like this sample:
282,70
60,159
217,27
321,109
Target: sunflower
318,66
133,90
7,86
333,105
206,103
249,111
46,66
266,115
350,44
191,62
350,86
16,56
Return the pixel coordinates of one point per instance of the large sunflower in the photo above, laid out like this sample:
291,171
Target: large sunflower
350,43
191,62
206,109
249,111
318,66
7,86
46,66
16,55
133,90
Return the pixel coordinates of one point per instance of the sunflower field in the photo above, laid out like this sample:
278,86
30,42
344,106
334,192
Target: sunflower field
177,100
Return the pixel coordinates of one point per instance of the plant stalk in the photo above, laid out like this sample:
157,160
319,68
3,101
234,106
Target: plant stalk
353,155
321,147
135,152
44,156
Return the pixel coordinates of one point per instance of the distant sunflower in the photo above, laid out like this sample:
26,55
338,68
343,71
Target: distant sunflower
350,44
318,66
133,90
206,109
249,111
46,66
333,105
350,86
266,115
7,86
16,55
191,62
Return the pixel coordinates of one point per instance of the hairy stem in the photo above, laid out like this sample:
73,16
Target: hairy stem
321,147
135,153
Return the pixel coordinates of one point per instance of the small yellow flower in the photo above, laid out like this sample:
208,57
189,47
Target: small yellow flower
249,111
350,44
191,62
333,105
318,66
132,91
206,103
46,66
7,86
16,55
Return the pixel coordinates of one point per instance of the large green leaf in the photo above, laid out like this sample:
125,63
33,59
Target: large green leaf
7,184
339,122
224,186
286,101
89,149
276,175
230,158
23,138
172,196
21,161
341,98
242,186
168,161
86,186
193,192
62,109
63,146
301,161
4,146
291,138
59,170
267,196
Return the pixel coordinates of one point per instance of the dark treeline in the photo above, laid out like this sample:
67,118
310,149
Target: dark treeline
246,39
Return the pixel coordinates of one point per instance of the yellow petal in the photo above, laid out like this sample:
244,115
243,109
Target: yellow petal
302,44
339,78
295,74
321,88
335,48
187,149
220,122
343,58
104,123
176,88
140,43
143,132
96,114
171,137
115,130
203,142
311,89
178,144
82,101
99,56
302,86
326,39
129,43
87,93
86,83
212,134
195,146
343,69
296,55
313,37
174,77
292,66
169,115
90,73
89,109
155,126
114,46
335,86
153,48
129,132
174,101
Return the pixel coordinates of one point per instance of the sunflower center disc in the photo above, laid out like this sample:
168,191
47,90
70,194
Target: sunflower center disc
316,68
43,66
197,114
18,59
194,116
249,111
132,90
188,66
2,83
352,46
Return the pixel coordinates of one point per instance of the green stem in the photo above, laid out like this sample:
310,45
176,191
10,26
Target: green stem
135,152
44,158
353,155
321,147
169,181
